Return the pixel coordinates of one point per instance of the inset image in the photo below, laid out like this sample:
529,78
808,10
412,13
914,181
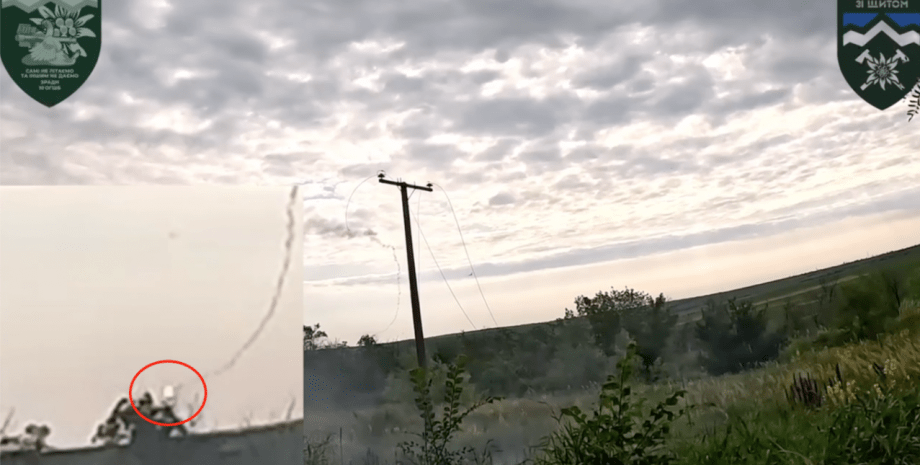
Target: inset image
150,325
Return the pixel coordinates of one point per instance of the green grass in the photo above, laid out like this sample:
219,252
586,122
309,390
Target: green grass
741,418
745,418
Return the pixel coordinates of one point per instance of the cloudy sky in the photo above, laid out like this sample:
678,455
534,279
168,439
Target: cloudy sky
582,144
98,282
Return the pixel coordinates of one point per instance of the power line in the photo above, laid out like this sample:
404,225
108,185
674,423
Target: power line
392,249
431,252
468,259
398,293
349,201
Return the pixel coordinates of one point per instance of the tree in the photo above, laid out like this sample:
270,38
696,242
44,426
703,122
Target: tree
895,287
312,336
651,329
824,297
316,339
870,305
605,313
647,319
792,318
735,337
367,341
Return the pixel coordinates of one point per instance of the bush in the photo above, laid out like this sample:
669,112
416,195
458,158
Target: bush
438,433
867,309
877,425
909,318
735,337
765,437
574,366
619,431
912,282
317,452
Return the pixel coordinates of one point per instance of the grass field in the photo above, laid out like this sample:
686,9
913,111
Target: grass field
736,418
516,427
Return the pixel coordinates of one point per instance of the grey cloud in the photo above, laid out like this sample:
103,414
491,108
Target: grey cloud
758,146
622,69
402,84
211,38
572,182
685,98
438,157
644,82
509,116
502,198
499,151
632,249
511,176
363,170
542,159
239,45
594,152
470,177
650,164
320,226
614,109
748,100
242,88
281,164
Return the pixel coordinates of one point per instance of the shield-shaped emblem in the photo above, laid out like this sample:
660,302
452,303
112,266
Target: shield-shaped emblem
50,47
878,48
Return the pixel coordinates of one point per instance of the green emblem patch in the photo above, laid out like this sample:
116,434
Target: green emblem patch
49,48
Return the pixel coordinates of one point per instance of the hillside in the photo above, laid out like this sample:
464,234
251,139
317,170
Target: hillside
797,287
558,354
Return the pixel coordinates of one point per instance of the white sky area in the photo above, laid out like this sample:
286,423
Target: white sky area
98,282
347,311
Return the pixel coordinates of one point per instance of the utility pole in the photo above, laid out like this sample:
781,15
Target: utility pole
413,281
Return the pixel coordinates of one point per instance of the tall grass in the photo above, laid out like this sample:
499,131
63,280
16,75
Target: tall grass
873,416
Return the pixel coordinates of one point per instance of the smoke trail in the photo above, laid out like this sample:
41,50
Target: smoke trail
286,264
288,247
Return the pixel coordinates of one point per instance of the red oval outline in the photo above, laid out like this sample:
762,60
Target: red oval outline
131,389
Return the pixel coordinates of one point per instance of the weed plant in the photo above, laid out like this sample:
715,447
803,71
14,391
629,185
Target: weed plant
438,432
619,431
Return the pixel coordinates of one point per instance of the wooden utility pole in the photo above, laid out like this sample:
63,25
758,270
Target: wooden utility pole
413,281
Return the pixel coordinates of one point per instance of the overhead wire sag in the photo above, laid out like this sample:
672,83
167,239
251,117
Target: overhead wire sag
392,249
469,260
418,226
349,201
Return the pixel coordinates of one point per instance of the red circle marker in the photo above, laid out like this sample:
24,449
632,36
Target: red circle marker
131,389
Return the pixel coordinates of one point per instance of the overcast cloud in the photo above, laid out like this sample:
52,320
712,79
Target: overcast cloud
565,133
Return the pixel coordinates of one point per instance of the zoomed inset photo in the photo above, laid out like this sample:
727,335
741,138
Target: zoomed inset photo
151,325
